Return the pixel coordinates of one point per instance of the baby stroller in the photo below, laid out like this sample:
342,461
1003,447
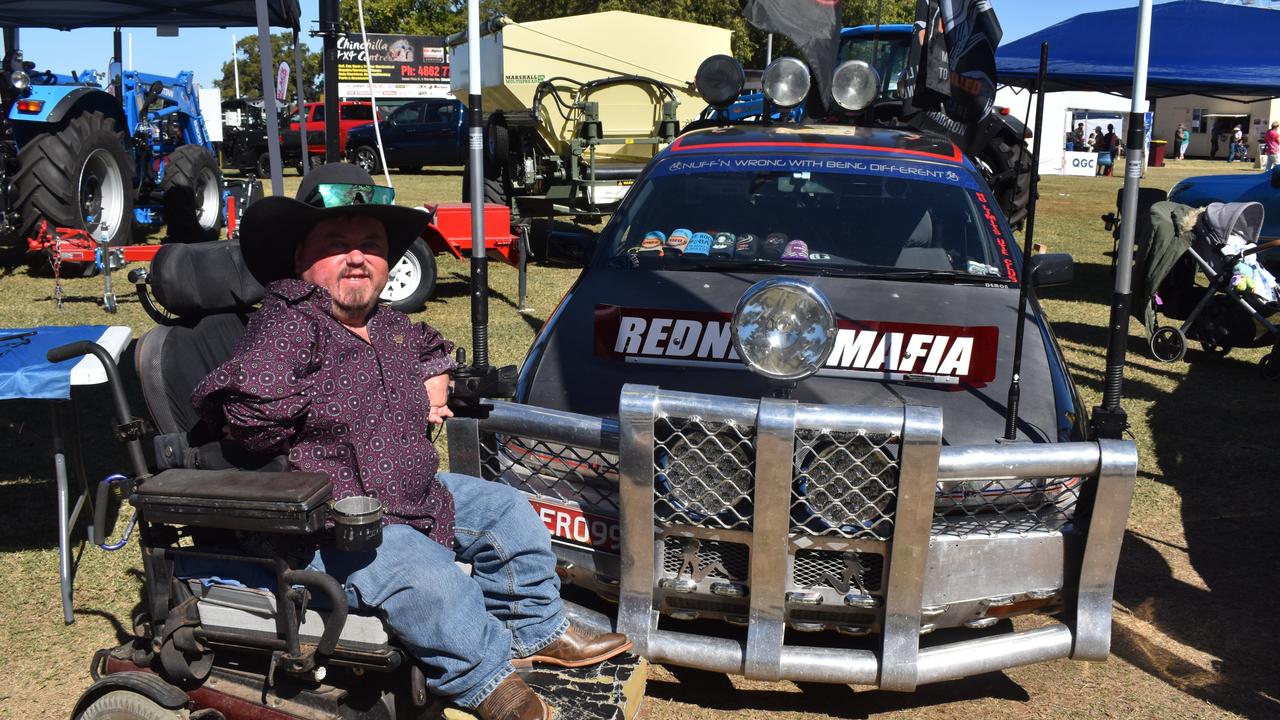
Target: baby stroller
1234,310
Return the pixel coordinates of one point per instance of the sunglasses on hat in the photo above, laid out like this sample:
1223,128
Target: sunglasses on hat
345,194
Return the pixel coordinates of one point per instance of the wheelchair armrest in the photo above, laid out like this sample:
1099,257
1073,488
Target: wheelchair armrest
278,502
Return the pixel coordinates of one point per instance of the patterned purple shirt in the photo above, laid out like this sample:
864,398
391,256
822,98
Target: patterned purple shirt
300,381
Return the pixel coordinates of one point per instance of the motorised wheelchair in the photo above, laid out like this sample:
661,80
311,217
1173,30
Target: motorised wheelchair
288,646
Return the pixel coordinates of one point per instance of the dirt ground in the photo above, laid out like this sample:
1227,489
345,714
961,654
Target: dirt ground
1194,633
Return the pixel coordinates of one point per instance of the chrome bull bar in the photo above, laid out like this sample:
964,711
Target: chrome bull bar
913,553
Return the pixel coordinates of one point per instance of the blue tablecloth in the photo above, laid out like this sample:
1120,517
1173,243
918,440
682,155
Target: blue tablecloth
24,371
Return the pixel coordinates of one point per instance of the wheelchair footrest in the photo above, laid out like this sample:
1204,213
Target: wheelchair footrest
252,612
612,690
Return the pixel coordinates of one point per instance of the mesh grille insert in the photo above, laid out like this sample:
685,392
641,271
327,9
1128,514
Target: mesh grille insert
841,571
699,559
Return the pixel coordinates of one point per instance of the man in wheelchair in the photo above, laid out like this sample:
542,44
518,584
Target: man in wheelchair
348,388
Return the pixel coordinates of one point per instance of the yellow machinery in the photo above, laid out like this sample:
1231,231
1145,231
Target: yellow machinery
577,105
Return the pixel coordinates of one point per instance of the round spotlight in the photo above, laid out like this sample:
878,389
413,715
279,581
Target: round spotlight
19,80
844,482
855,84
702,473
720,80
783,329
786,82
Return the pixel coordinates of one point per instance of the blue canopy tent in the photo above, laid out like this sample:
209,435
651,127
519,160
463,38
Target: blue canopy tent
1197,47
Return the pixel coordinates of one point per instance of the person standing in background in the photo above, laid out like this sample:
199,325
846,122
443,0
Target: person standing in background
1237,139
1182,138
1111,145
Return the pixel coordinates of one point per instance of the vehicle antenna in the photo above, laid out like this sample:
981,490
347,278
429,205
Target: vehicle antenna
475,157
474,383
1109,420
1011,410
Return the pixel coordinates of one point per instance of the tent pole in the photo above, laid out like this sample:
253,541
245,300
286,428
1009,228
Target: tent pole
302,104
269,98
329,31
235,64
117,66
1109,420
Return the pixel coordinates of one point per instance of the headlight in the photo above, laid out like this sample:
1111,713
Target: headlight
19,80
855,84
786,82
719,80
783,329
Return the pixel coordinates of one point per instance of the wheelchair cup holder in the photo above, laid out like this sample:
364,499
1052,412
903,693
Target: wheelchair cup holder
357,523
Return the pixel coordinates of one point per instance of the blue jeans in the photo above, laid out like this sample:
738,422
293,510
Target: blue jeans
463,629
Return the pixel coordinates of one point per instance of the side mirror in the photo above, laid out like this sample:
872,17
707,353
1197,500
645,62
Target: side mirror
152,93
1049,269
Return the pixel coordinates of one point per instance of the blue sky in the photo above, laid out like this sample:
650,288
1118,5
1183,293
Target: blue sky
204,51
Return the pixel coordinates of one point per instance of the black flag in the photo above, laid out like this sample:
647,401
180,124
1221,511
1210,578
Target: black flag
813,25
951,71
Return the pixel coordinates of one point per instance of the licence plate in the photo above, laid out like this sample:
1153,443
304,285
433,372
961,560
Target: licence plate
584,529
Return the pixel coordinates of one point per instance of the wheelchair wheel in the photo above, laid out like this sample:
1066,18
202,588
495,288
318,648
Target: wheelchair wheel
1168,344
126,705
1269,366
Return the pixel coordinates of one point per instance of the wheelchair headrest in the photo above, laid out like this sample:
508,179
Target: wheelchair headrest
193,279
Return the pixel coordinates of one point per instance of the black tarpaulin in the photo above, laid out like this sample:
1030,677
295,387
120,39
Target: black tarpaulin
952,63
813,25
72,14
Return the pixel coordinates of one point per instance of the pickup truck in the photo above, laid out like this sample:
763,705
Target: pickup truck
351,114
422,132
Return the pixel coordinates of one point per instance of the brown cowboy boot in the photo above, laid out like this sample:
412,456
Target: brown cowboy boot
513,700
577,648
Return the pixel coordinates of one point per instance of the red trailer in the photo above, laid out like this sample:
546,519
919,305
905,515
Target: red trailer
72,252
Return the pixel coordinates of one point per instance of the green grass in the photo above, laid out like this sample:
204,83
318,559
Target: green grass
1193,634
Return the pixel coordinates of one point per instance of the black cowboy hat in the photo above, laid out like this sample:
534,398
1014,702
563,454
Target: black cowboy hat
272,227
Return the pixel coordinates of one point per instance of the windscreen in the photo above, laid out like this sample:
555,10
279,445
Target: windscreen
888,57
811,215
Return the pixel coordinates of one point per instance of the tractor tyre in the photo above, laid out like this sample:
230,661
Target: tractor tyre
1007,166
192,188
262,168
78,176
497,144
127,705
495,191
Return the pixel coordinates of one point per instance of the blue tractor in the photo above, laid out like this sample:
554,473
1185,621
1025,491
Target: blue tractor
104,153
